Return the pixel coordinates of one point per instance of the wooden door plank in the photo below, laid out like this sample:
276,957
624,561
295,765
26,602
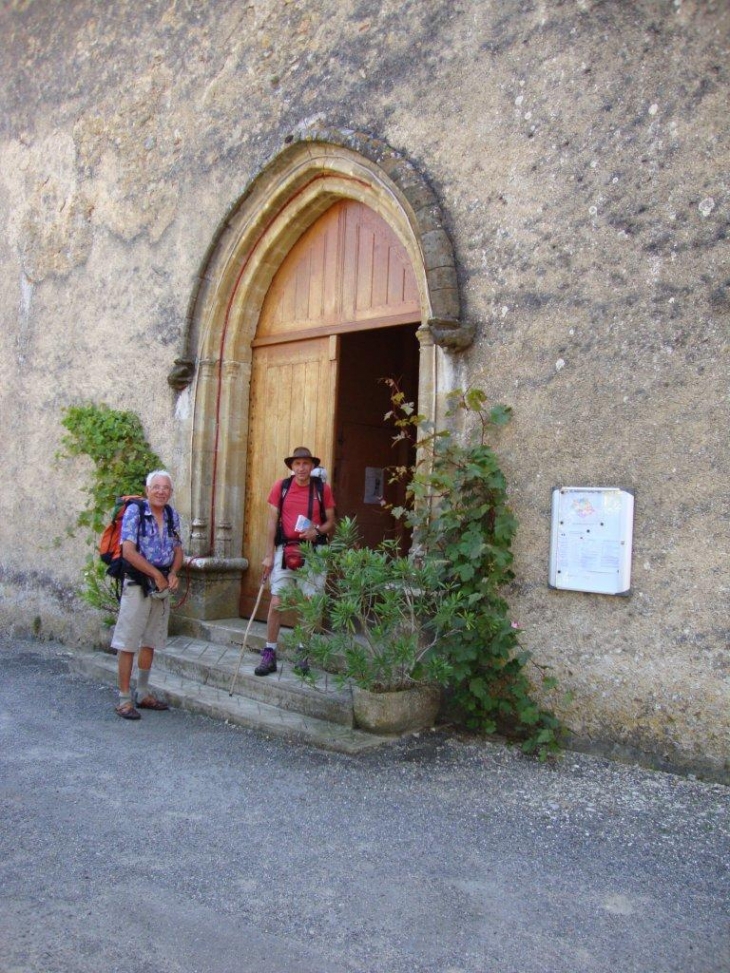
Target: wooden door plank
292,403
348,266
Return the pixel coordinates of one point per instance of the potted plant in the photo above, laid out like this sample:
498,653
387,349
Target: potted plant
376,626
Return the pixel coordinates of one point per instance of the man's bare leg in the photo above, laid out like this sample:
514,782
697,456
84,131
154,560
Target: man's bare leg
125,708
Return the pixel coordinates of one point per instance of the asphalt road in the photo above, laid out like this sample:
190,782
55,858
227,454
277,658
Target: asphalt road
182,845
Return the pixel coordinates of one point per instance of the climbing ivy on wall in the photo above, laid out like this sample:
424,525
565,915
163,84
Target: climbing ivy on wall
116,443
459,512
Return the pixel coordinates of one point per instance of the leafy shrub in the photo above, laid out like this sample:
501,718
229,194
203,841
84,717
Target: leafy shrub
380,617
116,443
458,509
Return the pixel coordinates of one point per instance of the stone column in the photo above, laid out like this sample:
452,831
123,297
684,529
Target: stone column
202,447
211,579
231,463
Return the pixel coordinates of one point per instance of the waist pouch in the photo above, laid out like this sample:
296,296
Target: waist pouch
292,557
146,583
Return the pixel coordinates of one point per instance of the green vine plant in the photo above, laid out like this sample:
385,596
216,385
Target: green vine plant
117,445
457,507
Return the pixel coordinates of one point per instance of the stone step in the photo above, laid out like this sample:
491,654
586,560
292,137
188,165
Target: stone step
216,664
223,631
231,631
215,702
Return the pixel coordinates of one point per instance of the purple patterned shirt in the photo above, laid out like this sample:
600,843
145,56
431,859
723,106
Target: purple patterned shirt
158,550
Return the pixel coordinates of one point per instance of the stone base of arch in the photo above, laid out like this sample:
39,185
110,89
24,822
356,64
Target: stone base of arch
211,588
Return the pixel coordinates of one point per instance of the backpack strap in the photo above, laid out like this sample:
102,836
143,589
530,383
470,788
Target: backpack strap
319,487
283,490
141,527
310,504
171,522
285,484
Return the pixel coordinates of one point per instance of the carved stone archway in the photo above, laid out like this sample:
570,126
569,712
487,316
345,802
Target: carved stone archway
316,168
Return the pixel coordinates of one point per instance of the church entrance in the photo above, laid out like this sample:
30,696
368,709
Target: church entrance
340,315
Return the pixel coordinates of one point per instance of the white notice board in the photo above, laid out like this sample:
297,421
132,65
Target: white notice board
591,539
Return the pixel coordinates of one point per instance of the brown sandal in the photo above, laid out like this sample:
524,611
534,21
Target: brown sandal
149,702
127,712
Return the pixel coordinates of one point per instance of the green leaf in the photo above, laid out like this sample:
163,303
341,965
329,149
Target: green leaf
500,415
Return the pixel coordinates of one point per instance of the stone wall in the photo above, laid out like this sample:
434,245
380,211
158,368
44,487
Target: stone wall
580,155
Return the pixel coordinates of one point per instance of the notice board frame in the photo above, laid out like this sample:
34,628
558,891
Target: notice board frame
591,540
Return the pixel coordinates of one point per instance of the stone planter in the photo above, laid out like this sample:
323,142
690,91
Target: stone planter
396,712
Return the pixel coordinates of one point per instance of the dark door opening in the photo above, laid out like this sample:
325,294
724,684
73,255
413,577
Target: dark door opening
364,448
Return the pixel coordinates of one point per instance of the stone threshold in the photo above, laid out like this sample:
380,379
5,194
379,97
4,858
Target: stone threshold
195,674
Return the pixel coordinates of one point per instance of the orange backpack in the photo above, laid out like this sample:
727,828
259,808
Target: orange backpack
110,544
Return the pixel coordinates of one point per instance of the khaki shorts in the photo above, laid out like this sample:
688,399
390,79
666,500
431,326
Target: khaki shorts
281,578
142,622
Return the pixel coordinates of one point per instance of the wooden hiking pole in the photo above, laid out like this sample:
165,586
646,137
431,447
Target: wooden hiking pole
245,637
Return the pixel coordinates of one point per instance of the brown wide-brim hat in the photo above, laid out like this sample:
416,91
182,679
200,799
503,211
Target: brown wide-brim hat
301,452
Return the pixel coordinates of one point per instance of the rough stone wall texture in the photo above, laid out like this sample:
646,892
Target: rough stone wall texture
580,152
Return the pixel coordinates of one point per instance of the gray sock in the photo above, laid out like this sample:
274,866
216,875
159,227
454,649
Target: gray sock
143,684
124,698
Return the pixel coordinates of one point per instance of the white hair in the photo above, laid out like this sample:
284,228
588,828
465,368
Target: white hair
154,473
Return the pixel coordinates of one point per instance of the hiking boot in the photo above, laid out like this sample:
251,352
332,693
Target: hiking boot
301,666
267,664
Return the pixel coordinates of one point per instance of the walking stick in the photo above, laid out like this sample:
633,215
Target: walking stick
245,637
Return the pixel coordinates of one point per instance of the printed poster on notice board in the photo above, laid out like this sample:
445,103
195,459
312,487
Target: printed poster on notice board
591,539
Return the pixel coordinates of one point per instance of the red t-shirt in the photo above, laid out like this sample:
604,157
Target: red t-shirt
297,502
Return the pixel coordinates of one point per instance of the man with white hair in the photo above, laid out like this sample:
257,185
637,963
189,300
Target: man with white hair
153,555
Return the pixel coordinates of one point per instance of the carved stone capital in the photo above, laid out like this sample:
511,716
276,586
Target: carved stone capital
181,374
452,333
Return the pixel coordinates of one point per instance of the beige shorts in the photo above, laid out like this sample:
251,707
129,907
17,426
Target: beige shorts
281,578
142,622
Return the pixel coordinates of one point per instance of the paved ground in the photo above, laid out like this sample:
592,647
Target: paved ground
182,845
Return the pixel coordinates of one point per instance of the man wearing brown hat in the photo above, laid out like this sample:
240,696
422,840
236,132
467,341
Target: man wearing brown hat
306,513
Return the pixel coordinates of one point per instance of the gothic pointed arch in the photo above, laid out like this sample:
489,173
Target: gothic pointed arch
317,168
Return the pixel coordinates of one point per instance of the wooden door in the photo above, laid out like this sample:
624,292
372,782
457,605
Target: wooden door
293,388
348,272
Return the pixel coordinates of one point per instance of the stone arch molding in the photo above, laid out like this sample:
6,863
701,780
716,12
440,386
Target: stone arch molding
316,168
